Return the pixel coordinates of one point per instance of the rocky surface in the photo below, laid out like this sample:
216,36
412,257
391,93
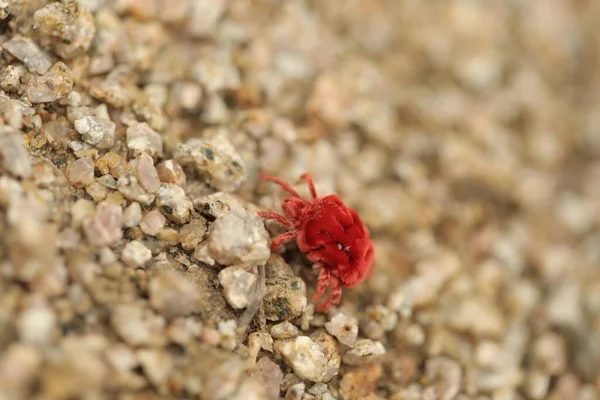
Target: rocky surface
133,264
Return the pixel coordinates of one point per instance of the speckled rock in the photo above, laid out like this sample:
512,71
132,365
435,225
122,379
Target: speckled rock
51,86
215,159
285,298
173,203
68,27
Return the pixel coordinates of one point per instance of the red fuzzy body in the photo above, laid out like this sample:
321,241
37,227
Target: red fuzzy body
330,234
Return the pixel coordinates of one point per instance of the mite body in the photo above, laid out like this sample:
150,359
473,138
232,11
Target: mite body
330,234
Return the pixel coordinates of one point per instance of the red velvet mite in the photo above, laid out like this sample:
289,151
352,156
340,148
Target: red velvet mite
329,233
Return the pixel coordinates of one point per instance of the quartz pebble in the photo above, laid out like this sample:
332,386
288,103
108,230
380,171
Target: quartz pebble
364,351
135,254
26,50
173,295
238,286
306,357
215,159
98,132
132,215
345,329
285,330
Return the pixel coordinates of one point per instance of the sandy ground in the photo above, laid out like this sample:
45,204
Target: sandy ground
465,133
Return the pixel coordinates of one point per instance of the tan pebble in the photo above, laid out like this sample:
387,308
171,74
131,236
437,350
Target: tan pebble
81,172
169,171
153,222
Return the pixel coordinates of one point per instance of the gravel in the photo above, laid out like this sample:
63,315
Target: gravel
133,262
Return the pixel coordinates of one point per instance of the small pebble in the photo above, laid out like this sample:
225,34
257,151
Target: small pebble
172,295
141,138
192,233
152,223
365,351
284,331
173,203
36,325
135,254
285,298
239,238
305,356
132,215
67,26
13,156
54,84
269,374
146,173
238,286
26,50
157,365
104,227
169,171
98,132
215,159
128,322
345,329
81,172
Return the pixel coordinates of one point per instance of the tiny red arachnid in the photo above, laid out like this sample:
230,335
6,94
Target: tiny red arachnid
329,233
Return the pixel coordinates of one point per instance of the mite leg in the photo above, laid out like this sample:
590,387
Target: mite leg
335,295
323,281
311,184
286,186
283,238
277,217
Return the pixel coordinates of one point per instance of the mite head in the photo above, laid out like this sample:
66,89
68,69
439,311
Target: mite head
294,208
